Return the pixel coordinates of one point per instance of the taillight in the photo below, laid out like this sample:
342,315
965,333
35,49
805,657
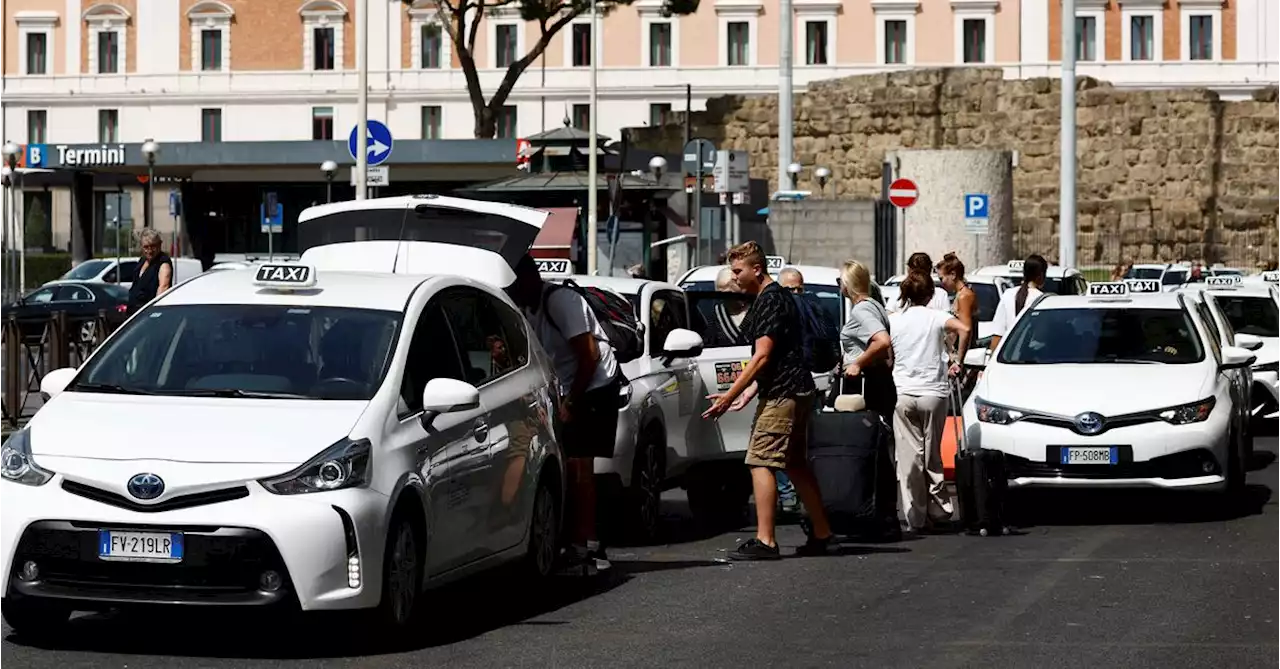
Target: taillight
121,308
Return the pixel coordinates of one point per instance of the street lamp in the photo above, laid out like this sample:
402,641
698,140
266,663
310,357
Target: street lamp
149,149
328,167
656,165
822,174
793,170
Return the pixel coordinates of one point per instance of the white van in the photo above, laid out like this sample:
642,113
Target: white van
104,270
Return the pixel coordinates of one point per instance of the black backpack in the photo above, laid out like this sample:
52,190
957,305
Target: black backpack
616,317
818,335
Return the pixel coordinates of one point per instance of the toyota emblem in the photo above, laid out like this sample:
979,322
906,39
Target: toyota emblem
146,486
1089,423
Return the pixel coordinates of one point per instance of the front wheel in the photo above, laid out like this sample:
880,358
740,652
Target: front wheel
645,496
401,578
33,619
544,535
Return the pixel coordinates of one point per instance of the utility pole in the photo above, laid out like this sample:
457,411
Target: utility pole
362,98
785,116
1067,168
592,190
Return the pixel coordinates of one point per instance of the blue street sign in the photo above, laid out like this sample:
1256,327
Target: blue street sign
377,144
175,203
35,155
273,224
976,205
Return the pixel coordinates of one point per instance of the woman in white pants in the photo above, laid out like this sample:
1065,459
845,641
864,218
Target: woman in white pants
920,372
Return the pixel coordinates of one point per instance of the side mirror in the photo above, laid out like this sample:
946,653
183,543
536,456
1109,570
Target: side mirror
682,343
55,382
1248,342
1234,357
976,358
447,396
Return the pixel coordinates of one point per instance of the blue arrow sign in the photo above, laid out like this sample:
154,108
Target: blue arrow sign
377,144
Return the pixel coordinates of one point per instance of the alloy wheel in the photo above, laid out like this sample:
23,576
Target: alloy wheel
544,533
402,574
648,490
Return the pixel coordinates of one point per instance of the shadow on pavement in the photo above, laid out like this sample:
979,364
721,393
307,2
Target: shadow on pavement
455,613
1261,460
1030,508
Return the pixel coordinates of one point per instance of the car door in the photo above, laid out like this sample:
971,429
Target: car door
670,379
442,453
494,348
33,312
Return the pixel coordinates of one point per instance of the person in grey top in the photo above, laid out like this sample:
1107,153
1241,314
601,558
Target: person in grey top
865,344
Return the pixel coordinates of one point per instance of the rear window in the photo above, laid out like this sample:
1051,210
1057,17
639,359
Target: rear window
1145,273
988,299
1086,336
1250,315
89,269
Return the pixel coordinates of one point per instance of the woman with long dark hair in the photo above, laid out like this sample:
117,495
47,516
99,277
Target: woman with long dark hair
920,263
1014,301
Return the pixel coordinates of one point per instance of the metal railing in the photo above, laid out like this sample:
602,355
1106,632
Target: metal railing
34,347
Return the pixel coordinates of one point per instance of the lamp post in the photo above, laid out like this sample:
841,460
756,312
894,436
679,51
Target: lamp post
149,149
793,171
822,174
328,167
6,176
657,165
10,150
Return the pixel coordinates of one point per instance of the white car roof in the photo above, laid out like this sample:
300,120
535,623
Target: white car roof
362,290
1138,301
815,274
534,217
1053,271
621,285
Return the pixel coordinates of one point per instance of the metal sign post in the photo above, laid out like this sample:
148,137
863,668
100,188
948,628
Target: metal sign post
699,158
977,221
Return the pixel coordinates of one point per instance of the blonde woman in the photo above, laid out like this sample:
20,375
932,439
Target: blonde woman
865,343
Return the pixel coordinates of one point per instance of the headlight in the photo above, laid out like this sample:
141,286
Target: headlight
994,413
1268,367
1196,412
344,465
16,463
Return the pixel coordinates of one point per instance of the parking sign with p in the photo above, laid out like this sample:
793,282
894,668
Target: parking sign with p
977,208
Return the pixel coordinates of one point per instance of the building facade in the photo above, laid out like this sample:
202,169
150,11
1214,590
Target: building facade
98,71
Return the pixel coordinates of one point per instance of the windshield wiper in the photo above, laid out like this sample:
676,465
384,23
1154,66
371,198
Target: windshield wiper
108,388
236,392
1130,361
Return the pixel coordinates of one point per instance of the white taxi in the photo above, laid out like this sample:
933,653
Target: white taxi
1253,309
1058,280
660,424
1111,389
334,433
717,481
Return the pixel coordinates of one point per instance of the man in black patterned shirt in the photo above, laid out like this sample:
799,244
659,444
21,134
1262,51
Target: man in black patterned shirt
778,375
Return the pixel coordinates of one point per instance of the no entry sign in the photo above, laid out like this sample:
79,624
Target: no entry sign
903,193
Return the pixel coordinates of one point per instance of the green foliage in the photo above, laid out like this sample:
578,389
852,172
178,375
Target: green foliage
42,267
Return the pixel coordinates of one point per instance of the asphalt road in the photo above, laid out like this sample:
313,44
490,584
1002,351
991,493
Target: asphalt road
1116,580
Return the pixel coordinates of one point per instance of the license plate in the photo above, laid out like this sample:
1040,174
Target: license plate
140,546
727,373
1089,455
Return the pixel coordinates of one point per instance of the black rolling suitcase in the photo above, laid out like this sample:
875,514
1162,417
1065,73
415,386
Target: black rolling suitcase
981,482
851,453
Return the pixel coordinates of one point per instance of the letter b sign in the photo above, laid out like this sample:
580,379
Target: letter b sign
35,155
975,206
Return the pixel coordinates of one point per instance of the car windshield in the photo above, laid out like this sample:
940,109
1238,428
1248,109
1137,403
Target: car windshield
717,316
828,298
89,269
1122,335
1144,273
1174,277
227,350
1251,315
988,299
1052,286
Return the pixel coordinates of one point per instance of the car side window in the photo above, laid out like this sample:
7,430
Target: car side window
42,296
482,340
128,271
432,355
514,341
73,294
667,312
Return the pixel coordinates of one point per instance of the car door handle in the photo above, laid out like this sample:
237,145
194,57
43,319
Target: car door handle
481,430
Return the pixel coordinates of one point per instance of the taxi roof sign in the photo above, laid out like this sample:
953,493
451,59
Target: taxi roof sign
1223,281
1271,277
774,263
1109,289
285,276
553,266
1016,265
1143,285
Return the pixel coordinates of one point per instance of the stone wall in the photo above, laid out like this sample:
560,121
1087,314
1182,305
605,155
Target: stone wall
1163,175
819,232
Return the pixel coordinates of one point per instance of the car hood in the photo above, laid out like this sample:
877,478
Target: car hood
1270,351
190,430
1110,390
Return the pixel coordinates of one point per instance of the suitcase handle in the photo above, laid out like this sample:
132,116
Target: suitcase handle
957,405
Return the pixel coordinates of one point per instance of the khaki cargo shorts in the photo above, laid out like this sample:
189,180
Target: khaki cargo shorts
780,433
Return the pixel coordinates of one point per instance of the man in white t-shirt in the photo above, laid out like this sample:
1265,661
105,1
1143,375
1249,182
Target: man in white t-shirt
589,387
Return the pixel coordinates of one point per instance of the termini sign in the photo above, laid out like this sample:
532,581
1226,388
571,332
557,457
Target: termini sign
103,155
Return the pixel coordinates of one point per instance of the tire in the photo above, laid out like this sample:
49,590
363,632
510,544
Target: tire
718,496
644,497
544,535
1235,474
34,619
401,579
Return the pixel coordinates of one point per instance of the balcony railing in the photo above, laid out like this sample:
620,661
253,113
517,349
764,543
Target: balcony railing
614,82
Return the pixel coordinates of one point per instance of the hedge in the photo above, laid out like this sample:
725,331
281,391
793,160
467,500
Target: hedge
42,267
